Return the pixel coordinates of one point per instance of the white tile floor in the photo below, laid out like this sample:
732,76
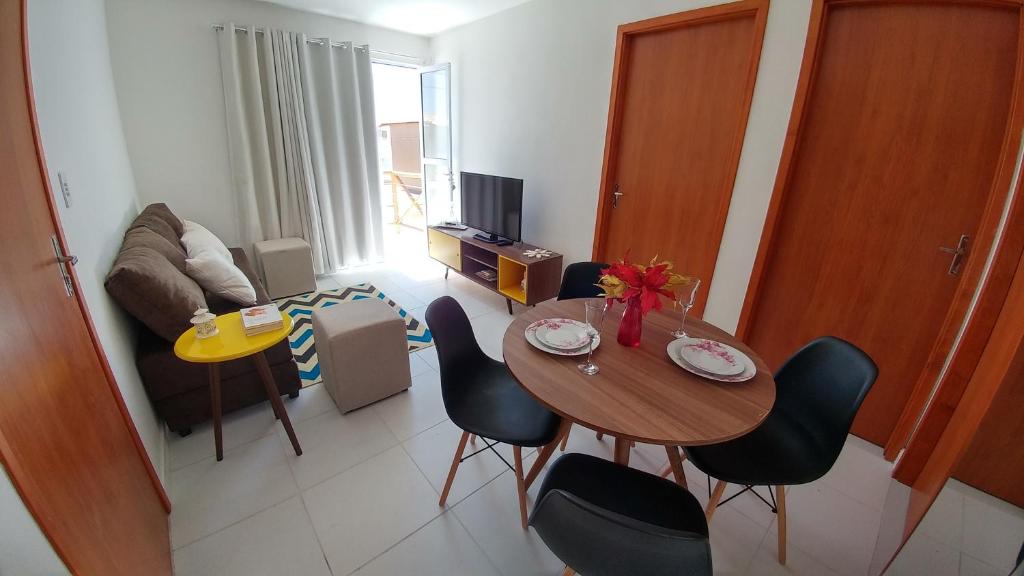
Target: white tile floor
363,497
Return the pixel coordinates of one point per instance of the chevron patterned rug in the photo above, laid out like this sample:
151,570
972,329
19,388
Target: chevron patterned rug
301,307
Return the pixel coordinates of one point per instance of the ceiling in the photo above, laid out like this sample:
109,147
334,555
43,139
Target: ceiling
423,17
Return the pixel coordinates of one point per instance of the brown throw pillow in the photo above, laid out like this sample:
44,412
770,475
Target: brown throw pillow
145,237
154,221
151,289
161,211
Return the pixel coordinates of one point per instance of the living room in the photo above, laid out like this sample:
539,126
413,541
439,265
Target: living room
422,194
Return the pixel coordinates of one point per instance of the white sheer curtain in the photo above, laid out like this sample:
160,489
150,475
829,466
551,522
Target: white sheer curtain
302,141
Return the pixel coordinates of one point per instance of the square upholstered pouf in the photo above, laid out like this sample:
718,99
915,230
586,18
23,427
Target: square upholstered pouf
286,265
363,352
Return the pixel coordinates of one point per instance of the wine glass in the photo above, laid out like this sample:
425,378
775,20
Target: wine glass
686,297
595,308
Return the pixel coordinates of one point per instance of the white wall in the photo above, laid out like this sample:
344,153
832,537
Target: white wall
24,550
167,71
81,134
530,100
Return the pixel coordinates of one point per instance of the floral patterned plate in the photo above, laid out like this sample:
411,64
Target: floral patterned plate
531,336
563,334
711,356
748,369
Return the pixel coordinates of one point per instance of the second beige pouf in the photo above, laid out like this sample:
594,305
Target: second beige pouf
286,265
363,352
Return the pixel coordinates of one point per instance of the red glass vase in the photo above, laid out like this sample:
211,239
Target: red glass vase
632,324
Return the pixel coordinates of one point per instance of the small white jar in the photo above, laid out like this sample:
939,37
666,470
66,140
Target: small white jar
205,323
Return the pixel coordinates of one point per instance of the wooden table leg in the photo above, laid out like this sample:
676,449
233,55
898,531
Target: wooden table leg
215,407
275,398
676,463
545,453
622,451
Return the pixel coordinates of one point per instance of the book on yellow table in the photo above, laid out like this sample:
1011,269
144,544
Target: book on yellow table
260,319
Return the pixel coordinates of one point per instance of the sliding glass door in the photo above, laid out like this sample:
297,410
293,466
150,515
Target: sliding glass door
438,180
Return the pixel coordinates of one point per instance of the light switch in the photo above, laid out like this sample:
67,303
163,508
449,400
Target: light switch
65,188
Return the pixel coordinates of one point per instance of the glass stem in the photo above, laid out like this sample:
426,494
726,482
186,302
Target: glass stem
590,351
682,327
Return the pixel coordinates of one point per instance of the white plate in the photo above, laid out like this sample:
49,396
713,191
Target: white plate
749,370
531,337
563,334
711,356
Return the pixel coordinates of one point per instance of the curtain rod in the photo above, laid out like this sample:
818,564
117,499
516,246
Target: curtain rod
320,41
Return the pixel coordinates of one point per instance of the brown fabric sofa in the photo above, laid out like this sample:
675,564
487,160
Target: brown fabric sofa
148,280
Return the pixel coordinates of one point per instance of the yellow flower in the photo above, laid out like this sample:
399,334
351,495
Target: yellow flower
613,287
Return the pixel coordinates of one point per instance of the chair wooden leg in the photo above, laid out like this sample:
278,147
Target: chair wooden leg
568,572
666,470
517,452
675,462
455,466
472,438
600,436
716,496
780,499
565,441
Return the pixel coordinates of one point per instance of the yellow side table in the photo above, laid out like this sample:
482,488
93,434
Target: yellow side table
231,344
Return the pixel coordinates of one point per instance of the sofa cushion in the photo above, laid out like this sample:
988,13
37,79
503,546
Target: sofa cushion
154,291
197,239
221,277
146,238
154,221
161,211
219,305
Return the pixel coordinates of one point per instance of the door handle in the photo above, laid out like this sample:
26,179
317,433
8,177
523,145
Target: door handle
62,263
616,194
958,253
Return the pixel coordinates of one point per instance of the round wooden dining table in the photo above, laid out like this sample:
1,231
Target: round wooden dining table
640,394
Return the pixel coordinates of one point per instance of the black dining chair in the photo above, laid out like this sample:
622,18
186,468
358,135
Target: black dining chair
580,280
604,519
482,398
818,392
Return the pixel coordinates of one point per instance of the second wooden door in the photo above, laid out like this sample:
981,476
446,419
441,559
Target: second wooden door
897,154
680,96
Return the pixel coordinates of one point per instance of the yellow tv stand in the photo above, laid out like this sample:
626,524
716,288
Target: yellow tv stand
500,269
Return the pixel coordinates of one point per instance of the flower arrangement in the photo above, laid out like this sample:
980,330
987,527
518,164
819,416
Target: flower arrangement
624,280
640,287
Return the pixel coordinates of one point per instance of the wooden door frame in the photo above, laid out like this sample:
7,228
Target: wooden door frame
974,339
613,132
5,450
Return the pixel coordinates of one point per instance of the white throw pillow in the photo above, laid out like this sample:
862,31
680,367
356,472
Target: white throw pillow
221,277
196,239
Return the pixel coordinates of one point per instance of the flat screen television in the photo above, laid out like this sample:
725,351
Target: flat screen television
493,205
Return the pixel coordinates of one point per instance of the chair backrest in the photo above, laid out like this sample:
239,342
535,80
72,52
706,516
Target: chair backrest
580,279
821,387
596,541
458,352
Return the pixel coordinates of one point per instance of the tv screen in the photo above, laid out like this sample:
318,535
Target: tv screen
493,204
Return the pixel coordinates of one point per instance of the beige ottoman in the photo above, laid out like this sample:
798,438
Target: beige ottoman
362,350
286,266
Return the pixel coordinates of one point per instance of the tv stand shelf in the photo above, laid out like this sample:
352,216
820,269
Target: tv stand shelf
460,251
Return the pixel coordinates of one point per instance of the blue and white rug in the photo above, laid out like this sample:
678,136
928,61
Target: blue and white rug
301,307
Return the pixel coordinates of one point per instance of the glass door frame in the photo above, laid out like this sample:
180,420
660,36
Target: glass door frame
444,163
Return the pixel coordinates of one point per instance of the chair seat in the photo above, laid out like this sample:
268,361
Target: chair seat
779,452
493,405
632,493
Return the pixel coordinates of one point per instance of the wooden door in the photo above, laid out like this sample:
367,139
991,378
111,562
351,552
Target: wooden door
681,91
900,143
64,434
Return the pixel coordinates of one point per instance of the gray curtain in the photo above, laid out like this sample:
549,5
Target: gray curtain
302,139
